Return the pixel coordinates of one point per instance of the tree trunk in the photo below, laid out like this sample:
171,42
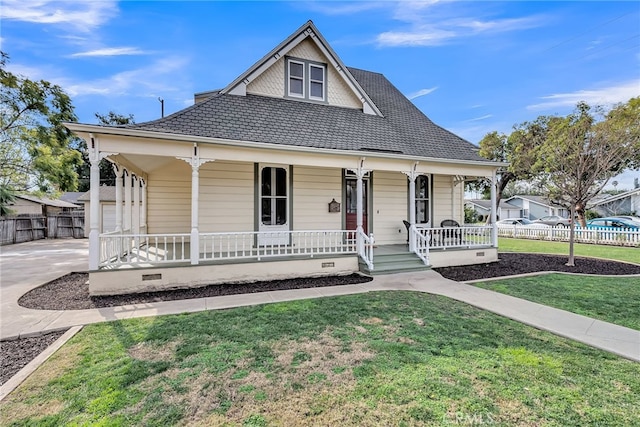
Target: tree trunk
580,211
572,230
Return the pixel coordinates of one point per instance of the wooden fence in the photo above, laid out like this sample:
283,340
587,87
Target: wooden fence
25,228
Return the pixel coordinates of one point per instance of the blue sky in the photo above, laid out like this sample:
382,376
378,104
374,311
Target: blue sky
472,67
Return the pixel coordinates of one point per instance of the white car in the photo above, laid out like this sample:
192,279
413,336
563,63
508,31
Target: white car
520,222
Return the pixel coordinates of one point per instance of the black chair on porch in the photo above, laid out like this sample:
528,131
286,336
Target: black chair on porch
407,225
451,232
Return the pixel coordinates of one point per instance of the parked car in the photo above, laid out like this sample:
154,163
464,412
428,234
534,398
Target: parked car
554,221
613,223
520,222
632,218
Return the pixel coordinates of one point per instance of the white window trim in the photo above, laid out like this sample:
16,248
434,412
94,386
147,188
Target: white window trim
324,81
423,199
273,197
289,77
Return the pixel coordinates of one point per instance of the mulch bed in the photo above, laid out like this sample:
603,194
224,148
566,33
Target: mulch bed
519,263
71,292
17,354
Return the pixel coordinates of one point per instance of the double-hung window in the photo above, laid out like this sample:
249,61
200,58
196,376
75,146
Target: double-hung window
306,80
296,79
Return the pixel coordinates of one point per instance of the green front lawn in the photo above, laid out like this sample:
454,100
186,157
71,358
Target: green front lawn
385,358
612,299
619,253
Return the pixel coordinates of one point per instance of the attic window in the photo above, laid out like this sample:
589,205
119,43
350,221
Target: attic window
306,80
296,79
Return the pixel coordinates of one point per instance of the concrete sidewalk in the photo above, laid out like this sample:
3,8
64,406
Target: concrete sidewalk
25,266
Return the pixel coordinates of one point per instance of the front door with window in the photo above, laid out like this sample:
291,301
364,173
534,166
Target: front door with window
273,215
351,203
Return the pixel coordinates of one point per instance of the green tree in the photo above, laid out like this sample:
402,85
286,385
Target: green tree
107,174
583,151
7,196
36,150
519,150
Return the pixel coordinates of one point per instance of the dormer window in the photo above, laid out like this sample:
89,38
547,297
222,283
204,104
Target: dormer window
306,80
296,79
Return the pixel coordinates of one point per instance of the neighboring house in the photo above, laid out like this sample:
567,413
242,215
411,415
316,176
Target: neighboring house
301,161
72,197
627,203
32,205
535,207
107,211
482,208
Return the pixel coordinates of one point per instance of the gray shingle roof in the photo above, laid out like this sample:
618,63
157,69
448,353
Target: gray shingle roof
107,194
404,129
47,202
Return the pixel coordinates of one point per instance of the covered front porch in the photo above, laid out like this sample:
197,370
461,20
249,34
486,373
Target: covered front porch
189,205
151,262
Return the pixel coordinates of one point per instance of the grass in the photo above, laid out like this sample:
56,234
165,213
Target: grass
387,358
612,299
619,253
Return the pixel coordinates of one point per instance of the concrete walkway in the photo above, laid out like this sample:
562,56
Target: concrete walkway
28,265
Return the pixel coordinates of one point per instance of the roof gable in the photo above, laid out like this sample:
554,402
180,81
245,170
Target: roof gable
616,197
307,34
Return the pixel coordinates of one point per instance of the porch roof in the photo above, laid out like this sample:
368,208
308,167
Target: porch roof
403,131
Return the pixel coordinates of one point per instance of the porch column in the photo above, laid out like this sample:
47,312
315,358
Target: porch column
195,199
494,210
94,205
127,202
143,215
412,175
195,162
136,204
119,172
360,173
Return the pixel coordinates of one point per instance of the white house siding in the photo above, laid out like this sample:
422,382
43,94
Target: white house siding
389,207
313,189
169,199
447,204
271,81
226,197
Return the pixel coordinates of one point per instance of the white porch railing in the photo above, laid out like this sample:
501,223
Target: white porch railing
134,249
621,237
220,246
118,249
365,251
419,242
465,237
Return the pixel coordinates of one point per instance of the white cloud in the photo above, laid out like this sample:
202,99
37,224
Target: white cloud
110,51
421,92
342,8
420,37
82,15
604,96
159,77
433,23
485,117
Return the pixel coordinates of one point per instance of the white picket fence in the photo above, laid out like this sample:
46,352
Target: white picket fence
621,237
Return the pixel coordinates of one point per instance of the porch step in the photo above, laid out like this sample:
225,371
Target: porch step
394,263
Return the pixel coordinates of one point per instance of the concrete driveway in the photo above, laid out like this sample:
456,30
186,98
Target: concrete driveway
24,266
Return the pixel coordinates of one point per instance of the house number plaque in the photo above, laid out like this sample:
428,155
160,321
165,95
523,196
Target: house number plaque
334,206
